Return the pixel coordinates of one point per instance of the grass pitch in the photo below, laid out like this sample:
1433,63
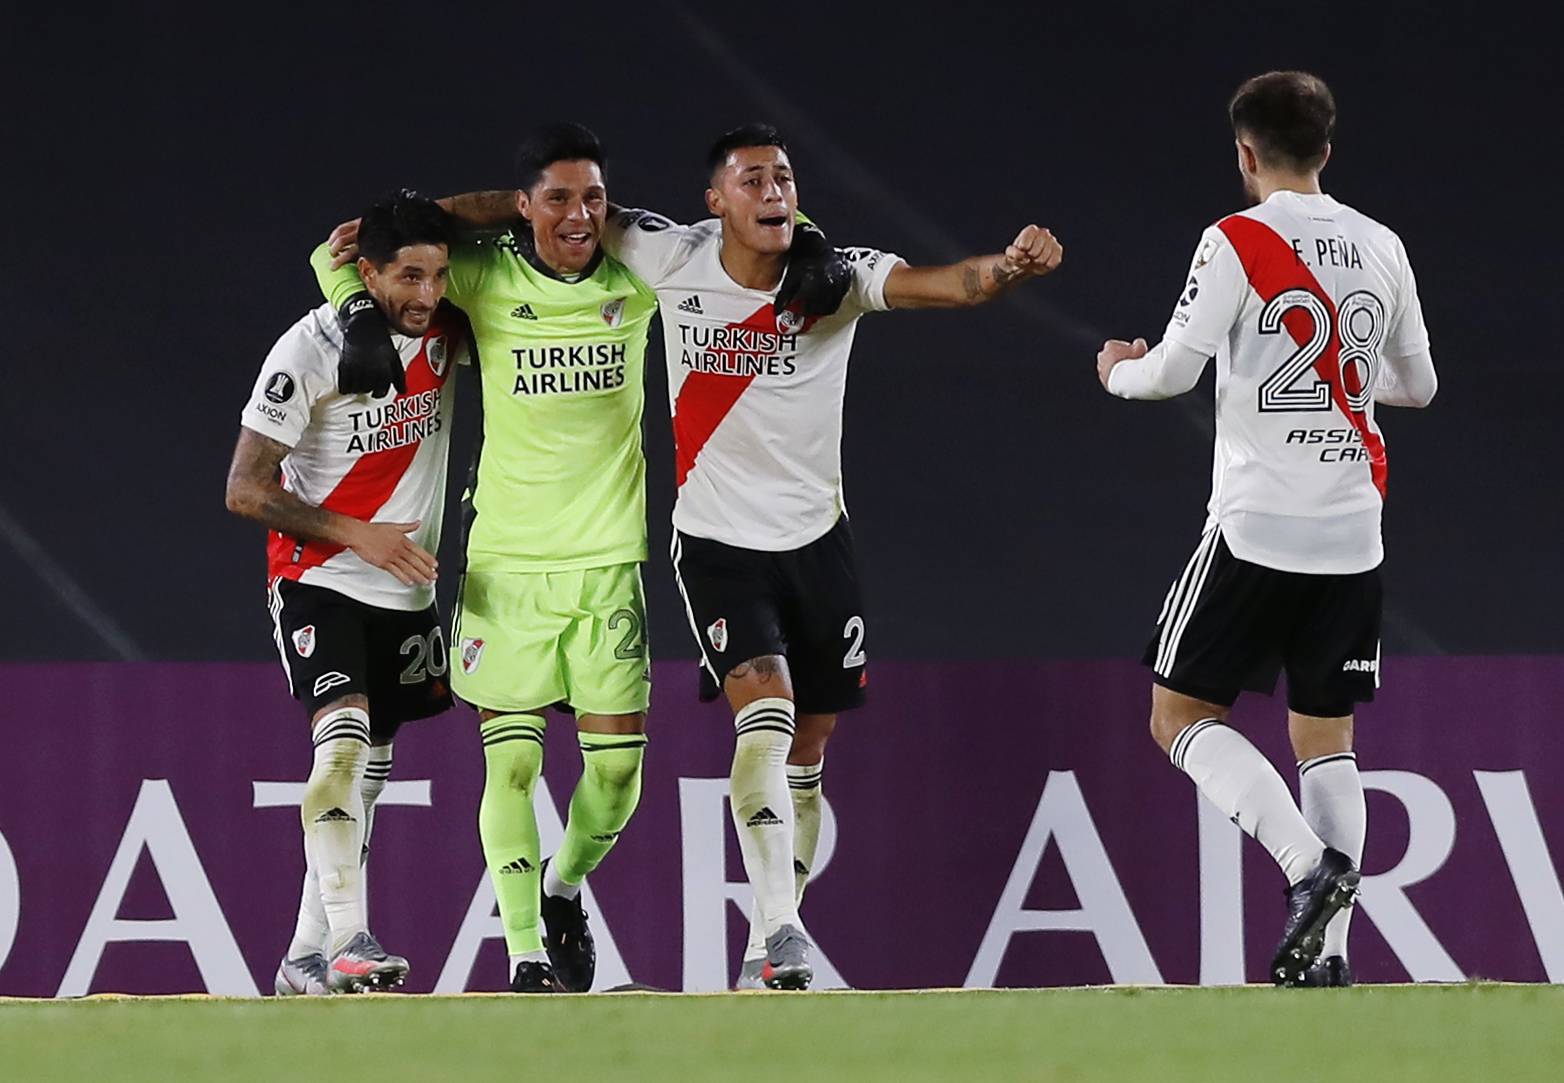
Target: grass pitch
1504,1032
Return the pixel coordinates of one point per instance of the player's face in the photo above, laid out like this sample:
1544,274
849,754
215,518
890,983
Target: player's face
566,207
754,195
409,288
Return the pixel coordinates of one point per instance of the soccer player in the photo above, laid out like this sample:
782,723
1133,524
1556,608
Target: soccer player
1311,311
353,525
551,610
762,547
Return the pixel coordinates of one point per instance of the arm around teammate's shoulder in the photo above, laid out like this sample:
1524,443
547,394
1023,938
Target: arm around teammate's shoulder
1035,252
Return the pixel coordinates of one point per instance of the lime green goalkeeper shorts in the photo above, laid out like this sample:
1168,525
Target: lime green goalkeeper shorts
528,640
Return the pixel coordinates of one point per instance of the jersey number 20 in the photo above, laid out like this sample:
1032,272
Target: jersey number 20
1360,323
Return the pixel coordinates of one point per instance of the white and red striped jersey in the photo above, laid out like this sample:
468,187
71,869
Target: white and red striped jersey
756,397
1308,307
380,460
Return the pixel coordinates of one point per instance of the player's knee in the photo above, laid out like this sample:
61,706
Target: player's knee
764,677
1165,728
512,753
809,740
615,771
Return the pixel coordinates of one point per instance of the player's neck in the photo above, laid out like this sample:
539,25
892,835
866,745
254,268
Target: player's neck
1303,183
751,269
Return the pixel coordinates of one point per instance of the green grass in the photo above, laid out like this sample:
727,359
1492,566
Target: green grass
1363,1035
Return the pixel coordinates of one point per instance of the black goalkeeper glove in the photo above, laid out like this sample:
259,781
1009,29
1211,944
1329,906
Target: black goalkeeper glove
818,276
370,364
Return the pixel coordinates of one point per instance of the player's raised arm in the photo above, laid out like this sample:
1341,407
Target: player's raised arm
1034,253
254,492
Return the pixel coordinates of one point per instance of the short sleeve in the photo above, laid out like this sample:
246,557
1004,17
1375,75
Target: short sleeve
1407,334
1213,295
292,380
651,246
871,267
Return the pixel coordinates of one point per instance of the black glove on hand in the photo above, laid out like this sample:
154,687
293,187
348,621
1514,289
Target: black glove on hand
370,364
818,276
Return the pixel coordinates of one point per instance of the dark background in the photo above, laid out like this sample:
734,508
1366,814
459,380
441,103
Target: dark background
169,172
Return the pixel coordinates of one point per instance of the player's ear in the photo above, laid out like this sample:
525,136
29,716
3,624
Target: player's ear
1324,159
367,271
523,202
1246,157
714,201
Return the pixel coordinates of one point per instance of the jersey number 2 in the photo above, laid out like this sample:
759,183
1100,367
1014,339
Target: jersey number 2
1360,323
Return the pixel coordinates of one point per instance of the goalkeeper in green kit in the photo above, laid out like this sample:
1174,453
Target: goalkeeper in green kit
551,610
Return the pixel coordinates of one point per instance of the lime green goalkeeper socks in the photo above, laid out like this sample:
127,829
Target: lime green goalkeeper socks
507,825
607,794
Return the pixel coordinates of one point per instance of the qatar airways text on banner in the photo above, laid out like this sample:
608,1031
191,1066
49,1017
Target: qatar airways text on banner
1002,824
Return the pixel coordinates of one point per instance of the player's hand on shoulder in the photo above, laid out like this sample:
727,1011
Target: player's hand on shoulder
343,243
818,275
1034,253
388,547
1115,350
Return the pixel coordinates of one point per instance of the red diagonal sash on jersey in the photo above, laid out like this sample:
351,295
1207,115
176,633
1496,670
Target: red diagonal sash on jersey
1273,267
706,398
369,483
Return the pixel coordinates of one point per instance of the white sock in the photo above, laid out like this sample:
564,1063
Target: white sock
377,772
803,785
333,816
554,886
1332,799
1241,782
762,810
310,931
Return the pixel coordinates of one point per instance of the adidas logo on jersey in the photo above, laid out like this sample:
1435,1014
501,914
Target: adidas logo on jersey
764,817
524,312
692,305
520,865
333,816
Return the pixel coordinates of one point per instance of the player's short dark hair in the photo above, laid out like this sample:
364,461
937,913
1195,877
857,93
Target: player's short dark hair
557,141
754,134
1290,116
399,220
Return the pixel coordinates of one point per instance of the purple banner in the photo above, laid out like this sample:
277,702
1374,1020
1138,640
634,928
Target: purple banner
990,823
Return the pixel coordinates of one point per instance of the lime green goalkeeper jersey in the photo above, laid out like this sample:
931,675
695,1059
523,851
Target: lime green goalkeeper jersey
561,478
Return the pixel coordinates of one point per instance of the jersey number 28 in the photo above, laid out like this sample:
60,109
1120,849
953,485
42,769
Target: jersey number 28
1360,323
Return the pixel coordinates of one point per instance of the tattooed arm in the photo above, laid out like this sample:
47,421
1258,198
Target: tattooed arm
255,493
1034,252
